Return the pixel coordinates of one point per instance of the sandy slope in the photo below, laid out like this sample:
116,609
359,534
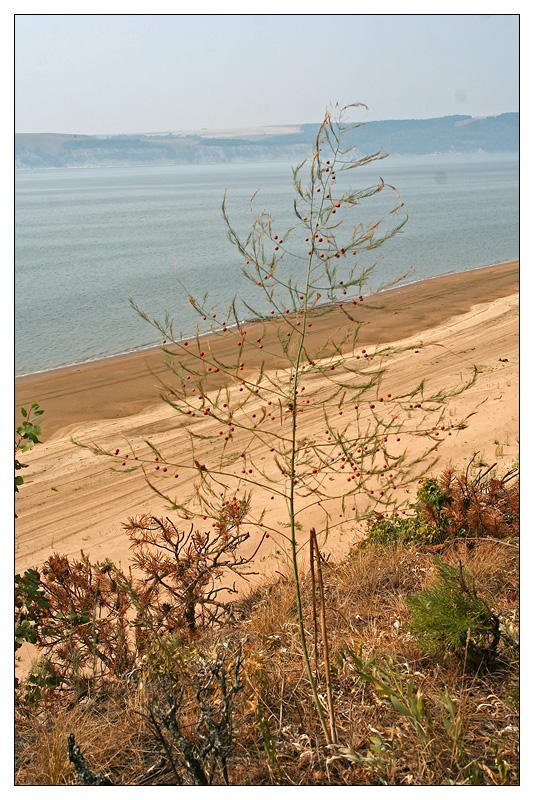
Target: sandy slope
71,500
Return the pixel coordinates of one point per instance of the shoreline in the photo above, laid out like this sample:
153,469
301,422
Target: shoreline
282,160
246,321
126,384
72,500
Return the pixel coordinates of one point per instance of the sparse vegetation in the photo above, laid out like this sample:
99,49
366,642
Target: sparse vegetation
406,713
375,443
369,670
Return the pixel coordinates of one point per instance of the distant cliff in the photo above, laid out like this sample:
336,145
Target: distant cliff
454,134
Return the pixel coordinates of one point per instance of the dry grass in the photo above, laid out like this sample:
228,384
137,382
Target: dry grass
277,737
106,727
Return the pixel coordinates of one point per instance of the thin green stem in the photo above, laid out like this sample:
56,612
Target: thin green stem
294,449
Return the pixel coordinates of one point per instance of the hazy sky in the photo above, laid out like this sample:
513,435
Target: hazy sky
144,73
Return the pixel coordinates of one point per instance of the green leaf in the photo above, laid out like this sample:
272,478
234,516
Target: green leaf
400,707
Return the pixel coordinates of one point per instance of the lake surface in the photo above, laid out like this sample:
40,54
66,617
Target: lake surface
85,239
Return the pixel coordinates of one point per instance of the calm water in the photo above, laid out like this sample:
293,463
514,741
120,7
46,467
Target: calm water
87,239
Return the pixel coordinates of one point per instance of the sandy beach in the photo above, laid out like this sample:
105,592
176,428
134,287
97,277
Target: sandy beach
72,501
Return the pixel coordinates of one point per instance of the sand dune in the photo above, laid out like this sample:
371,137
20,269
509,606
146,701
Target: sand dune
72,501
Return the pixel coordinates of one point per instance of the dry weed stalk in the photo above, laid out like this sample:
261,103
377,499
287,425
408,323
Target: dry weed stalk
315,564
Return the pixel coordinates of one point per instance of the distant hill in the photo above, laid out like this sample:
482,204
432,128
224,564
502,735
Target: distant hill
454,134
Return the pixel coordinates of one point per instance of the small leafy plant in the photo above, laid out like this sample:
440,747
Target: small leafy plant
26,436
413,527
438,730
31,611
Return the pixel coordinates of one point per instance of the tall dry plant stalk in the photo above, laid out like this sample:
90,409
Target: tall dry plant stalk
315,564
358,465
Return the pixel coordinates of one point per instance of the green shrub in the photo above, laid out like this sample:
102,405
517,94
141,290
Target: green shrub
418,528
449,617
407,529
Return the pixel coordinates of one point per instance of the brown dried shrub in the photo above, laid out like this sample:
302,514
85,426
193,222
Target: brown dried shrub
186,573
88,628
475,507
